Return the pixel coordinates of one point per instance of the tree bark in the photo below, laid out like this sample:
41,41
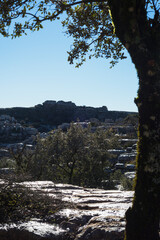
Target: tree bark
143,218
142,40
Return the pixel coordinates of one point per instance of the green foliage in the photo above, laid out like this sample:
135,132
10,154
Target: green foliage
118,178
21,159
19,203
77,156
91,27
6,162
127,183
89,24
117,175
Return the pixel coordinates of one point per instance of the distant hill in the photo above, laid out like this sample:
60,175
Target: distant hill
52,113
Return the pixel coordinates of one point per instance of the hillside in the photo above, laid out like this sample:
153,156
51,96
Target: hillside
51,113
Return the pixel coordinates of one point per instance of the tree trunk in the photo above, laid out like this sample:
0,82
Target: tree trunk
143,218
142,40
71,170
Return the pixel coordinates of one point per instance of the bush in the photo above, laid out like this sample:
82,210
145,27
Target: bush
126,183
118,178
6,162
19,203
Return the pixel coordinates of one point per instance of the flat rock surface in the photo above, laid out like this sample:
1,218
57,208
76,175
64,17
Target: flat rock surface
94,214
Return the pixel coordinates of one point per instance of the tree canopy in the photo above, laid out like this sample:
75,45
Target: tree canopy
90,23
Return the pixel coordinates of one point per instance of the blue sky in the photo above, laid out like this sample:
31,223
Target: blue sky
34,68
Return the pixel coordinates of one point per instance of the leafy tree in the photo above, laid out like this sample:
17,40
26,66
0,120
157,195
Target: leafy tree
76,156
105,28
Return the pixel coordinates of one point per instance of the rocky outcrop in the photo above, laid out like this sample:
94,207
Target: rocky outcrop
93,214
50,114
12,131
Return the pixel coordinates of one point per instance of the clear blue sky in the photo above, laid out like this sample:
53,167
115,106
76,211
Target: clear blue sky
34,68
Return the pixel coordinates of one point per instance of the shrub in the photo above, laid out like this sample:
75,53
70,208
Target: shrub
126,183
18,203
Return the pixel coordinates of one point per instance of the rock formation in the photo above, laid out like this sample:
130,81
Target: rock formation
51,113
93,214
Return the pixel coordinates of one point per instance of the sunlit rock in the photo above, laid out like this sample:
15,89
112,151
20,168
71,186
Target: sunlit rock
93,214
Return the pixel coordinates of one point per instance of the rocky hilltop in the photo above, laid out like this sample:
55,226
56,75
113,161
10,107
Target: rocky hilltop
52,113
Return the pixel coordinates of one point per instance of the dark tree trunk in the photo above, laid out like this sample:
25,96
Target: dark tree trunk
71,170
142,40
143,217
